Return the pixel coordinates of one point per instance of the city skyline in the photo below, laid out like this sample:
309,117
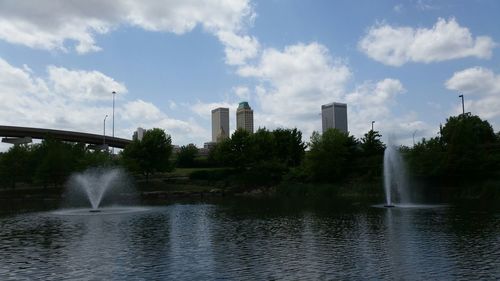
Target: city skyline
403,64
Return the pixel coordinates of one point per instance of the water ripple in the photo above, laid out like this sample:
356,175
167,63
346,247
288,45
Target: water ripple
204,241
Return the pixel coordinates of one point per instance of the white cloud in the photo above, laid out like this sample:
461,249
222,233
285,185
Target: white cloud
204,110
476,81
373,101
83,85
242,92
31,101
145,114
446,40
238,49
294,83
482,89
50,24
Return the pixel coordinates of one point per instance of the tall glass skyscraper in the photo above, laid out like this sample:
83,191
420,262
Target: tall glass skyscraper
244,117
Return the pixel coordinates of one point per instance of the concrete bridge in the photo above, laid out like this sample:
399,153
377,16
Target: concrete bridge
24,134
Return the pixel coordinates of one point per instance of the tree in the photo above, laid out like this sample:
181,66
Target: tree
289,149
186,155
221,153
14,165
371,144
95,158
55,162
260,147
149,155
239,148
331,155
426,158
465,138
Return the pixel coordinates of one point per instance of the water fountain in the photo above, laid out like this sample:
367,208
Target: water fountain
395,178
95,185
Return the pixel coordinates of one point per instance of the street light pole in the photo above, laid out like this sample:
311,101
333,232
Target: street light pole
114,93
463,107
372,124
104,131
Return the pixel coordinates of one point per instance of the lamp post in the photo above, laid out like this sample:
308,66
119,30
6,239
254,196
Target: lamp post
104,131
463,107
372,124
113,133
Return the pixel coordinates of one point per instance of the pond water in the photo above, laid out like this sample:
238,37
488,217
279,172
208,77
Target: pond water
252,240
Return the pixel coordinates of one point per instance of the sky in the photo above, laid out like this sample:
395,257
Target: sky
402,64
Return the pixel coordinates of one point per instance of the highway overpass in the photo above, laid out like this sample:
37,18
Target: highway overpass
40,133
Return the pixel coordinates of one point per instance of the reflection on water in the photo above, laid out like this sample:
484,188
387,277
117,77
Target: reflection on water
262,241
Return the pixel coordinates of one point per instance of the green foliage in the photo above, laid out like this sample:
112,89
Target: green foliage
289,148
464,131
14,165
426,158
371,143
221,154
466,149
263,157
331,155
55,162
465,138
239,148
186,156
47,163
245,150
150,155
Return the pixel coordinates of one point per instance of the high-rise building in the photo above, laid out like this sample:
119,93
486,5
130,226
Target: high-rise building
334,115
220,124
138,134
244,117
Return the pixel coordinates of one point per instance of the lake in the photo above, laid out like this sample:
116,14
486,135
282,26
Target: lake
250,239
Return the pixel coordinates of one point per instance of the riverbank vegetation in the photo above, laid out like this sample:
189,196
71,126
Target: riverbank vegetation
462,161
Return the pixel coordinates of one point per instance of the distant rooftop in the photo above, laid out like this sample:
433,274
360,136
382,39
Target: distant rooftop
334,104
220,109
244,104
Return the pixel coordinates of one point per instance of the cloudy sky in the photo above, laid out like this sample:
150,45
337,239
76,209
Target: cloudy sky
400,63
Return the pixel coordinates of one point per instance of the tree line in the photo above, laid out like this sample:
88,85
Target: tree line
50,162
465,149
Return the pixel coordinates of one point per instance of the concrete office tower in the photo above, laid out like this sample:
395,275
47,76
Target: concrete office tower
220,124
138,134
334,115
244,117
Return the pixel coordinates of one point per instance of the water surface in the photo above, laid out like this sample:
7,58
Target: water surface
256,240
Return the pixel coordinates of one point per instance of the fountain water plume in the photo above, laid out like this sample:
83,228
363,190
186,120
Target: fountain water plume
96,182
395,178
